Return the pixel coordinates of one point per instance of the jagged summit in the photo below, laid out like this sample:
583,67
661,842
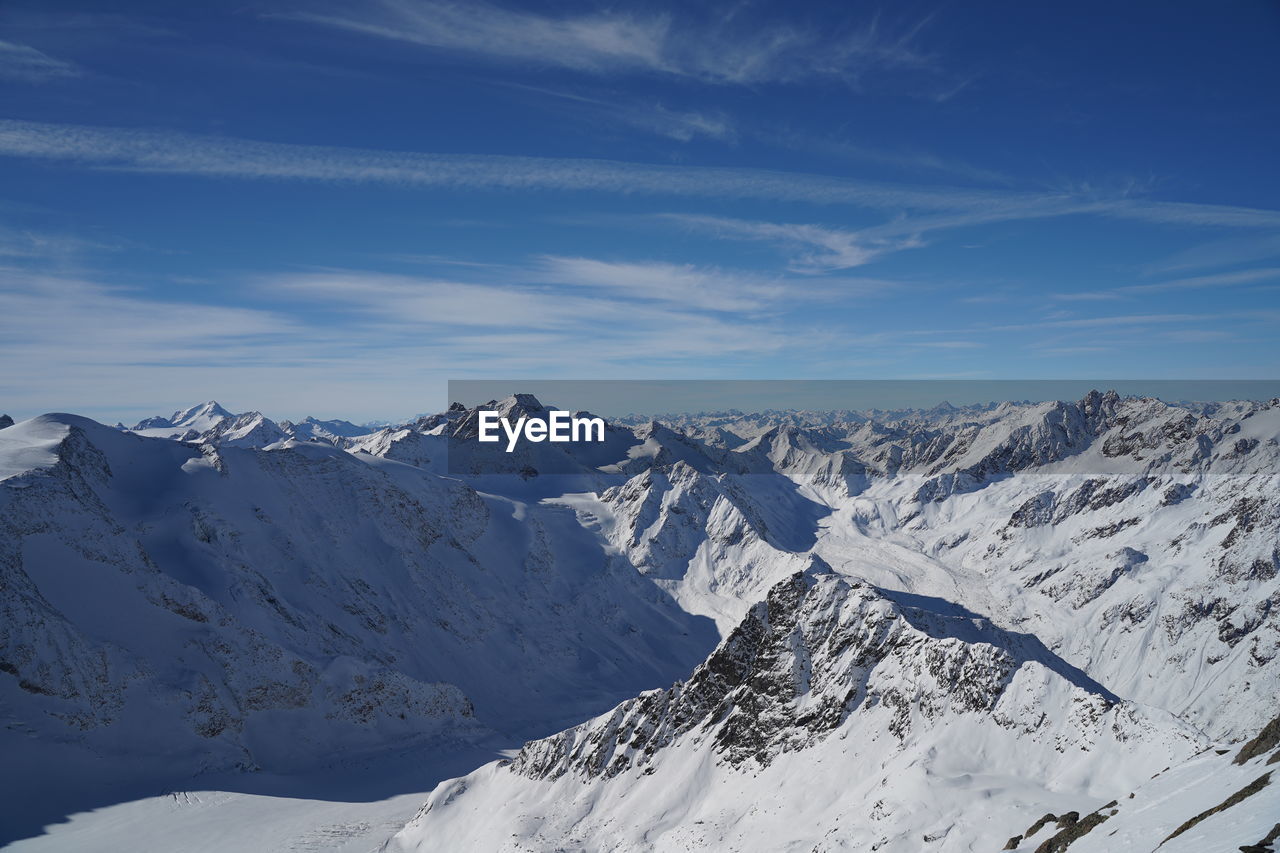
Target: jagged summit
310,427
925,627
819,648
525,401
466,420
199,414
835,699
198,418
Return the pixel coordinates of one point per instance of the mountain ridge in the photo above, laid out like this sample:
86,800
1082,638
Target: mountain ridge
1107,558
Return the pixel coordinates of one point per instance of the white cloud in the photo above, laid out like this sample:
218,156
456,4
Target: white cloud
1226,279
1139,320
1200,282
649,116
347,335
25,63
819,249
612,41
1219,253
612,310
899,158
681,125
953,344
43,246
597,42
364,337
98,322
704,288
172,153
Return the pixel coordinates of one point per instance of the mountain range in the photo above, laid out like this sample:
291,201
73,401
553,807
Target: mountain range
884,630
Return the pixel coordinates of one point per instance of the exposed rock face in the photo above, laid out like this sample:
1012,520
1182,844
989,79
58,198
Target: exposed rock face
849,711
819,648
1267,740
339,581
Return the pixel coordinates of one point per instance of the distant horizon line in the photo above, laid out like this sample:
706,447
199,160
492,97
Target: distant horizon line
857,396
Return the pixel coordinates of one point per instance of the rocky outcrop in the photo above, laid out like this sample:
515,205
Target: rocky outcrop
819,648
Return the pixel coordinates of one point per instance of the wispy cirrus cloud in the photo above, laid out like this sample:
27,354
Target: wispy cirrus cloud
31,245
818,249
312,335
25,63
681,125
698,287
85,321
161,152
1200,282
595,313
1141,320
650,116
551,291
324,334
612,41
902,159
186,154
1219,253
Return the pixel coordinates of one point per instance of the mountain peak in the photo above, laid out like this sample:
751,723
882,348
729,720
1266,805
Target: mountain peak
528,402
819,649
207,411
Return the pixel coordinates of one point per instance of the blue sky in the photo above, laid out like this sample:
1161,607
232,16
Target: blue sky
333,208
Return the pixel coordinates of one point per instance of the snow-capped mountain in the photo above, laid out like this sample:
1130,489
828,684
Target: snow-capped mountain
1137,539
716,542
834,716
210,423
934,627
312,429
205,607
185,424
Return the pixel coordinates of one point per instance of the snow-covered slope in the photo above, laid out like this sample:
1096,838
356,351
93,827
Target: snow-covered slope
186,424
1219,801
223,606
1136,538
834,717
716,541
1067,595
1147,556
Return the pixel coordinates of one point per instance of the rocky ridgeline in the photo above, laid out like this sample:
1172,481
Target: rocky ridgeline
819,648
